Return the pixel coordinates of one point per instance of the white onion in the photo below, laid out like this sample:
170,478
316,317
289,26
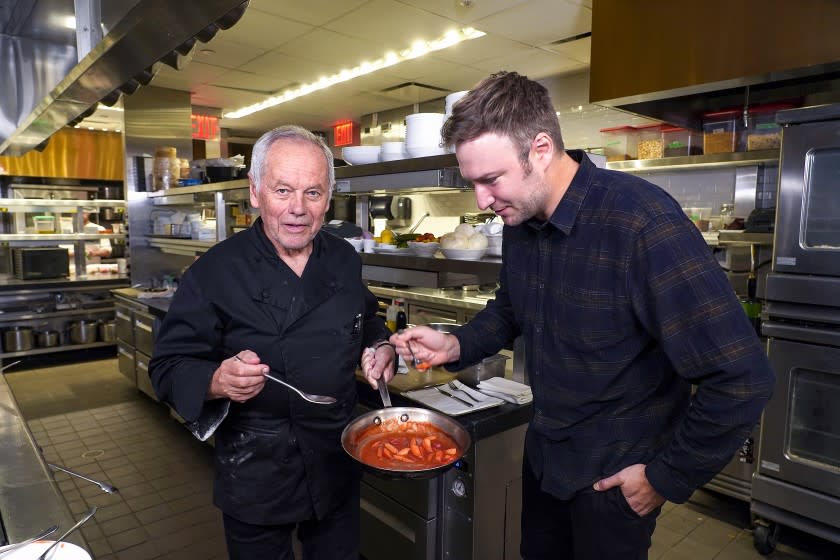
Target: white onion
465,229
477,241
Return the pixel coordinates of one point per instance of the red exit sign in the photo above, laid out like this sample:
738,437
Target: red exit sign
343,134
205,127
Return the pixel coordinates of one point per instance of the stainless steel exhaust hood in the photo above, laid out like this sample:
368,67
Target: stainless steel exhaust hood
424,174
45,89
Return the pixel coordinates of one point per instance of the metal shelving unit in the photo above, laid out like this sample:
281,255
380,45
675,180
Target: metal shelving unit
734,159
52,349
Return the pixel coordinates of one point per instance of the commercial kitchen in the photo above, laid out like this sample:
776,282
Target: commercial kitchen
126,133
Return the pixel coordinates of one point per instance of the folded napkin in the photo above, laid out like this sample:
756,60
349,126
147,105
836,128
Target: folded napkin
506,389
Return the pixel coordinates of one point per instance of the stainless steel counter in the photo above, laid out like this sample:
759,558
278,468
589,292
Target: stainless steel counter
469,300
30,500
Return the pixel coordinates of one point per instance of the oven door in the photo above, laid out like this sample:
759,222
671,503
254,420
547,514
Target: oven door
808,215
800,436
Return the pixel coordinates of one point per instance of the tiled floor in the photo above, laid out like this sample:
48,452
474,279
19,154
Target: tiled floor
87,417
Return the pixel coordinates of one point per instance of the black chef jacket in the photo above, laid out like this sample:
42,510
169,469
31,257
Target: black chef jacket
278,458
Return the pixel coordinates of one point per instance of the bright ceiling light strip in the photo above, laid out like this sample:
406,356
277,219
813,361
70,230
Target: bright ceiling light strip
417,49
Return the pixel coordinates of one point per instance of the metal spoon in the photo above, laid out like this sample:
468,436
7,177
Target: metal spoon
104,486
78,524
316,399
46,532
418,364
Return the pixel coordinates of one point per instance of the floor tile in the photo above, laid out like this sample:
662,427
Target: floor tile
89,418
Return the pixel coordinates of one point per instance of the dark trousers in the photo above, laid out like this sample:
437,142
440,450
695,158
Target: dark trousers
333,538
589,526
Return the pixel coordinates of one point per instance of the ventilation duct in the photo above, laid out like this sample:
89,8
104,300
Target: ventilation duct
34,106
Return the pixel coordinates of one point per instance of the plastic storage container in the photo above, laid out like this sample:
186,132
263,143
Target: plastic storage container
762,131
722,131
681,142
619,143
650,144
44,224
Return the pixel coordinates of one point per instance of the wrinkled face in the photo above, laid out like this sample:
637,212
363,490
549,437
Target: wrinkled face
293,197
491,163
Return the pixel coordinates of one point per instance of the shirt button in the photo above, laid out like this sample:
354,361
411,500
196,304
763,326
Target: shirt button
538,329
265,294
542,286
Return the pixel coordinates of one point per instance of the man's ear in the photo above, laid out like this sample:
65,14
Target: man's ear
542,149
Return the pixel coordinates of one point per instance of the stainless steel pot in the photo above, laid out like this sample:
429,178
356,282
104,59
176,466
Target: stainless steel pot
108,331
48,339
357,433
83,332
17,339
109,193
107,214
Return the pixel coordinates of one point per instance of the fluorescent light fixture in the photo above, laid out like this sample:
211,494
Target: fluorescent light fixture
417,49
69,22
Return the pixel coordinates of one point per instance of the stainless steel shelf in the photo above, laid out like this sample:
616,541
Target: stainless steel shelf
202,189
742,238
67,205
177,246
32,316
68,237
735,159
63,348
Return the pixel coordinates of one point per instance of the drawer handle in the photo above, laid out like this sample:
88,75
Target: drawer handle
143,326
143,366
123,316
126,353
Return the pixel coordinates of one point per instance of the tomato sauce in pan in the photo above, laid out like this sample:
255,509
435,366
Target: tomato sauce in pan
403,446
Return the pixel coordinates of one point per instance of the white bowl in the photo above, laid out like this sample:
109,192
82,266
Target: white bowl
421,249
393,147
453,98
357,243
424,151
360,155
494,244
64,551
464,254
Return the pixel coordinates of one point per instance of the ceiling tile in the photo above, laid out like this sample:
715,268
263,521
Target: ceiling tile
454,78
476,50
290,68
213,96
533,63
265,31
312,12
195,74
539,21
225,52
577,50
259,84
332,47
391,25
456,11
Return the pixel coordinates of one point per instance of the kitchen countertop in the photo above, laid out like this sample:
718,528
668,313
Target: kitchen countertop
30,499
157,306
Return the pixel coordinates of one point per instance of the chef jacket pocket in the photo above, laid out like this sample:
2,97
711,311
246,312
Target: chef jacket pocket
255,457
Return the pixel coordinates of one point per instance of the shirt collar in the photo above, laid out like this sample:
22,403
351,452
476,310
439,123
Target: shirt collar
566,213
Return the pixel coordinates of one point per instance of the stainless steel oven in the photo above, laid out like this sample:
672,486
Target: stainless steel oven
797,482
808,212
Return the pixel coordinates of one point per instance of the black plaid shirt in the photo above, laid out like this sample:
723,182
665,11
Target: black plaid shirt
622,308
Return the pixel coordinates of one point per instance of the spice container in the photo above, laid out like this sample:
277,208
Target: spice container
681,142
762,131
650,144
619,143
721,131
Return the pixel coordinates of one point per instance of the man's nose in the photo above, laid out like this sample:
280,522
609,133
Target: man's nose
297,203
483,198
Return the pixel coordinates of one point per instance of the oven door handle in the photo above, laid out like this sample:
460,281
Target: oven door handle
802,333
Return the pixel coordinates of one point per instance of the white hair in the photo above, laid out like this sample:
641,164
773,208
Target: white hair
288,132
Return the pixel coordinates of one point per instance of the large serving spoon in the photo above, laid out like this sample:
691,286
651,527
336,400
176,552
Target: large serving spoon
316,399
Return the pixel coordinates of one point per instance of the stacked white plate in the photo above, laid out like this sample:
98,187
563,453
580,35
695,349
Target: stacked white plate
391,151
422,134
452,98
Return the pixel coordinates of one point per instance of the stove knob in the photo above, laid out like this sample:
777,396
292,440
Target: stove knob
459,488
